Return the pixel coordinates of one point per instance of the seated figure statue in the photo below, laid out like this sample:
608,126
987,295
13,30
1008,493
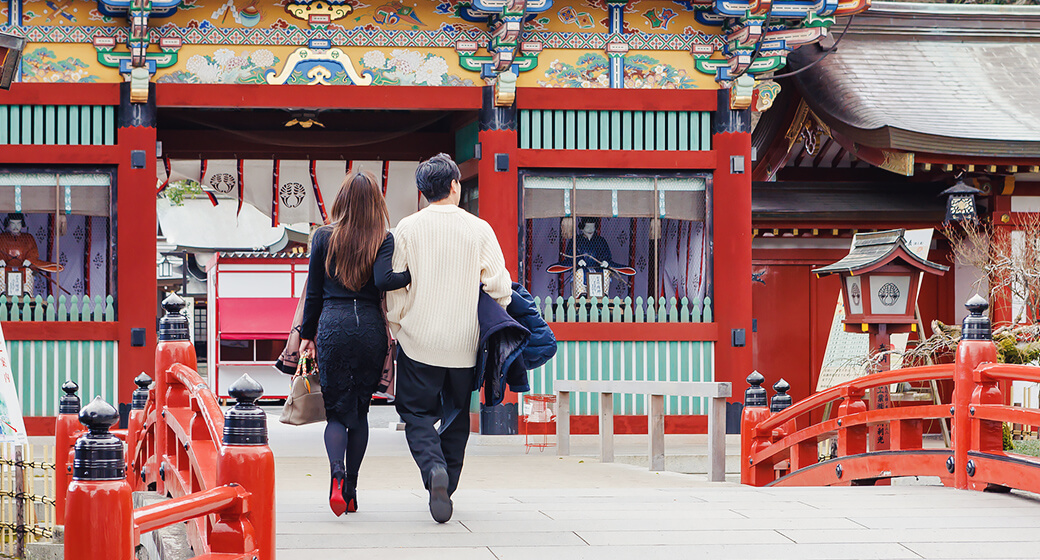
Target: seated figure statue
19,258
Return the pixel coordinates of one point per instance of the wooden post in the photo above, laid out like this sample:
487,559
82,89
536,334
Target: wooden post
606,427
716,439
655,431
563,423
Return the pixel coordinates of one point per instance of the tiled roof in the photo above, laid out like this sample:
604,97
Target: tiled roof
927,90
873,248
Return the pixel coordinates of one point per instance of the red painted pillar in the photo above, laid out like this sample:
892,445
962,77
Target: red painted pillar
499,206
976,347
245,459
99,520
65,428
731,238
135,236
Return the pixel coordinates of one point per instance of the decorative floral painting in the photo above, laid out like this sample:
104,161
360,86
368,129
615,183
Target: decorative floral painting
224,67
641,72
407,67
42,65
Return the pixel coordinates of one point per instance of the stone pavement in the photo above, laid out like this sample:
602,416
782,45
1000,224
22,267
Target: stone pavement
534,505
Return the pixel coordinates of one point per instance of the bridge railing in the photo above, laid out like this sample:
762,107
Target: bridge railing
779,442
215,467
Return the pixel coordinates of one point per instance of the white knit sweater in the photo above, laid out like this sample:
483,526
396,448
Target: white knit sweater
449,252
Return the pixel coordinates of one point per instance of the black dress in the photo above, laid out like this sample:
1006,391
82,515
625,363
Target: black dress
349,330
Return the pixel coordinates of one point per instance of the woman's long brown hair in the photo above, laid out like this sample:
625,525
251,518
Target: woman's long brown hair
360,223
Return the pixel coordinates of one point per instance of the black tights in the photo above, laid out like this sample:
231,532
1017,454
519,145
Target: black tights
340,442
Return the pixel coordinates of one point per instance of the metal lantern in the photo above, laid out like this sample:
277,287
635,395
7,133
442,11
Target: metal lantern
11,47
879,280
960,202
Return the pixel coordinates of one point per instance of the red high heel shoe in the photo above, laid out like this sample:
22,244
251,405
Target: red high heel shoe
336,501
350,492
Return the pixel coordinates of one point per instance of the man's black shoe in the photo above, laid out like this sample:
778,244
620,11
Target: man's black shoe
440,504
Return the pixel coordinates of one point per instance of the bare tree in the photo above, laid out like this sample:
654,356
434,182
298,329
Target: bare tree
1009,260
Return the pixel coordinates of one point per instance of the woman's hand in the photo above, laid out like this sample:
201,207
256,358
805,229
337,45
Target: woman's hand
307,347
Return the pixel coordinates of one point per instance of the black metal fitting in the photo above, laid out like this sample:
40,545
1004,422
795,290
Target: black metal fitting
976,326
173,325
69,403
839,422
245,423
755,395
971,410
971,467
839,471
99,454
951,411
781,399
141,392
186,446
951,465
162,471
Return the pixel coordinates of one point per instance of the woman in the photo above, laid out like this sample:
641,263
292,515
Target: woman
343,316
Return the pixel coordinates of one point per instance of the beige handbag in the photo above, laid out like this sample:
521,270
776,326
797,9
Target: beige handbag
304,405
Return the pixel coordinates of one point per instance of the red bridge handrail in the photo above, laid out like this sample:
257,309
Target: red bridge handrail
856,386
199,391
1006,372
219,475
781,448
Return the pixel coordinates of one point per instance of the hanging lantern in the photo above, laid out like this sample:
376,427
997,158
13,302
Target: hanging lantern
960,202
11,47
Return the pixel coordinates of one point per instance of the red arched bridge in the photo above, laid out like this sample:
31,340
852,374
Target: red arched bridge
218,471
779,444
216,467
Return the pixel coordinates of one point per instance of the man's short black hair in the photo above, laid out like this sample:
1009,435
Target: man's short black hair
434,177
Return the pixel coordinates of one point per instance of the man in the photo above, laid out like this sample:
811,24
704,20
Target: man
592,244
449,253
19,253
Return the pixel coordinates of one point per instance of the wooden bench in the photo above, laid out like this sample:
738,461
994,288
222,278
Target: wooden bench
657,391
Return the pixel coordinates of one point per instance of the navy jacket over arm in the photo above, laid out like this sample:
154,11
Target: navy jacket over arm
541,346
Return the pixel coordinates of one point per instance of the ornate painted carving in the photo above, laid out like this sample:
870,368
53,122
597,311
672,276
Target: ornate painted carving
108,56
485,64
319,13
760,33
741,92
318,67
767,92
121,8
505,89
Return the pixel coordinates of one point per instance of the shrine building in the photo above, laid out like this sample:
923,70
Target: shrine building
587,132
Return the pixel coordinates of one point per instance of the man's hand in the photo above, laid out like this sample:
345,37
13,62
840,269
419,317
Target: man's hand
605,264
307,347
26,263
581,262
3,263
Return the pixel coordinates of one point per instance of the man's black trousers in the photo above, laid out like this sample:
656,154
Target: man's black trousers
420,390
